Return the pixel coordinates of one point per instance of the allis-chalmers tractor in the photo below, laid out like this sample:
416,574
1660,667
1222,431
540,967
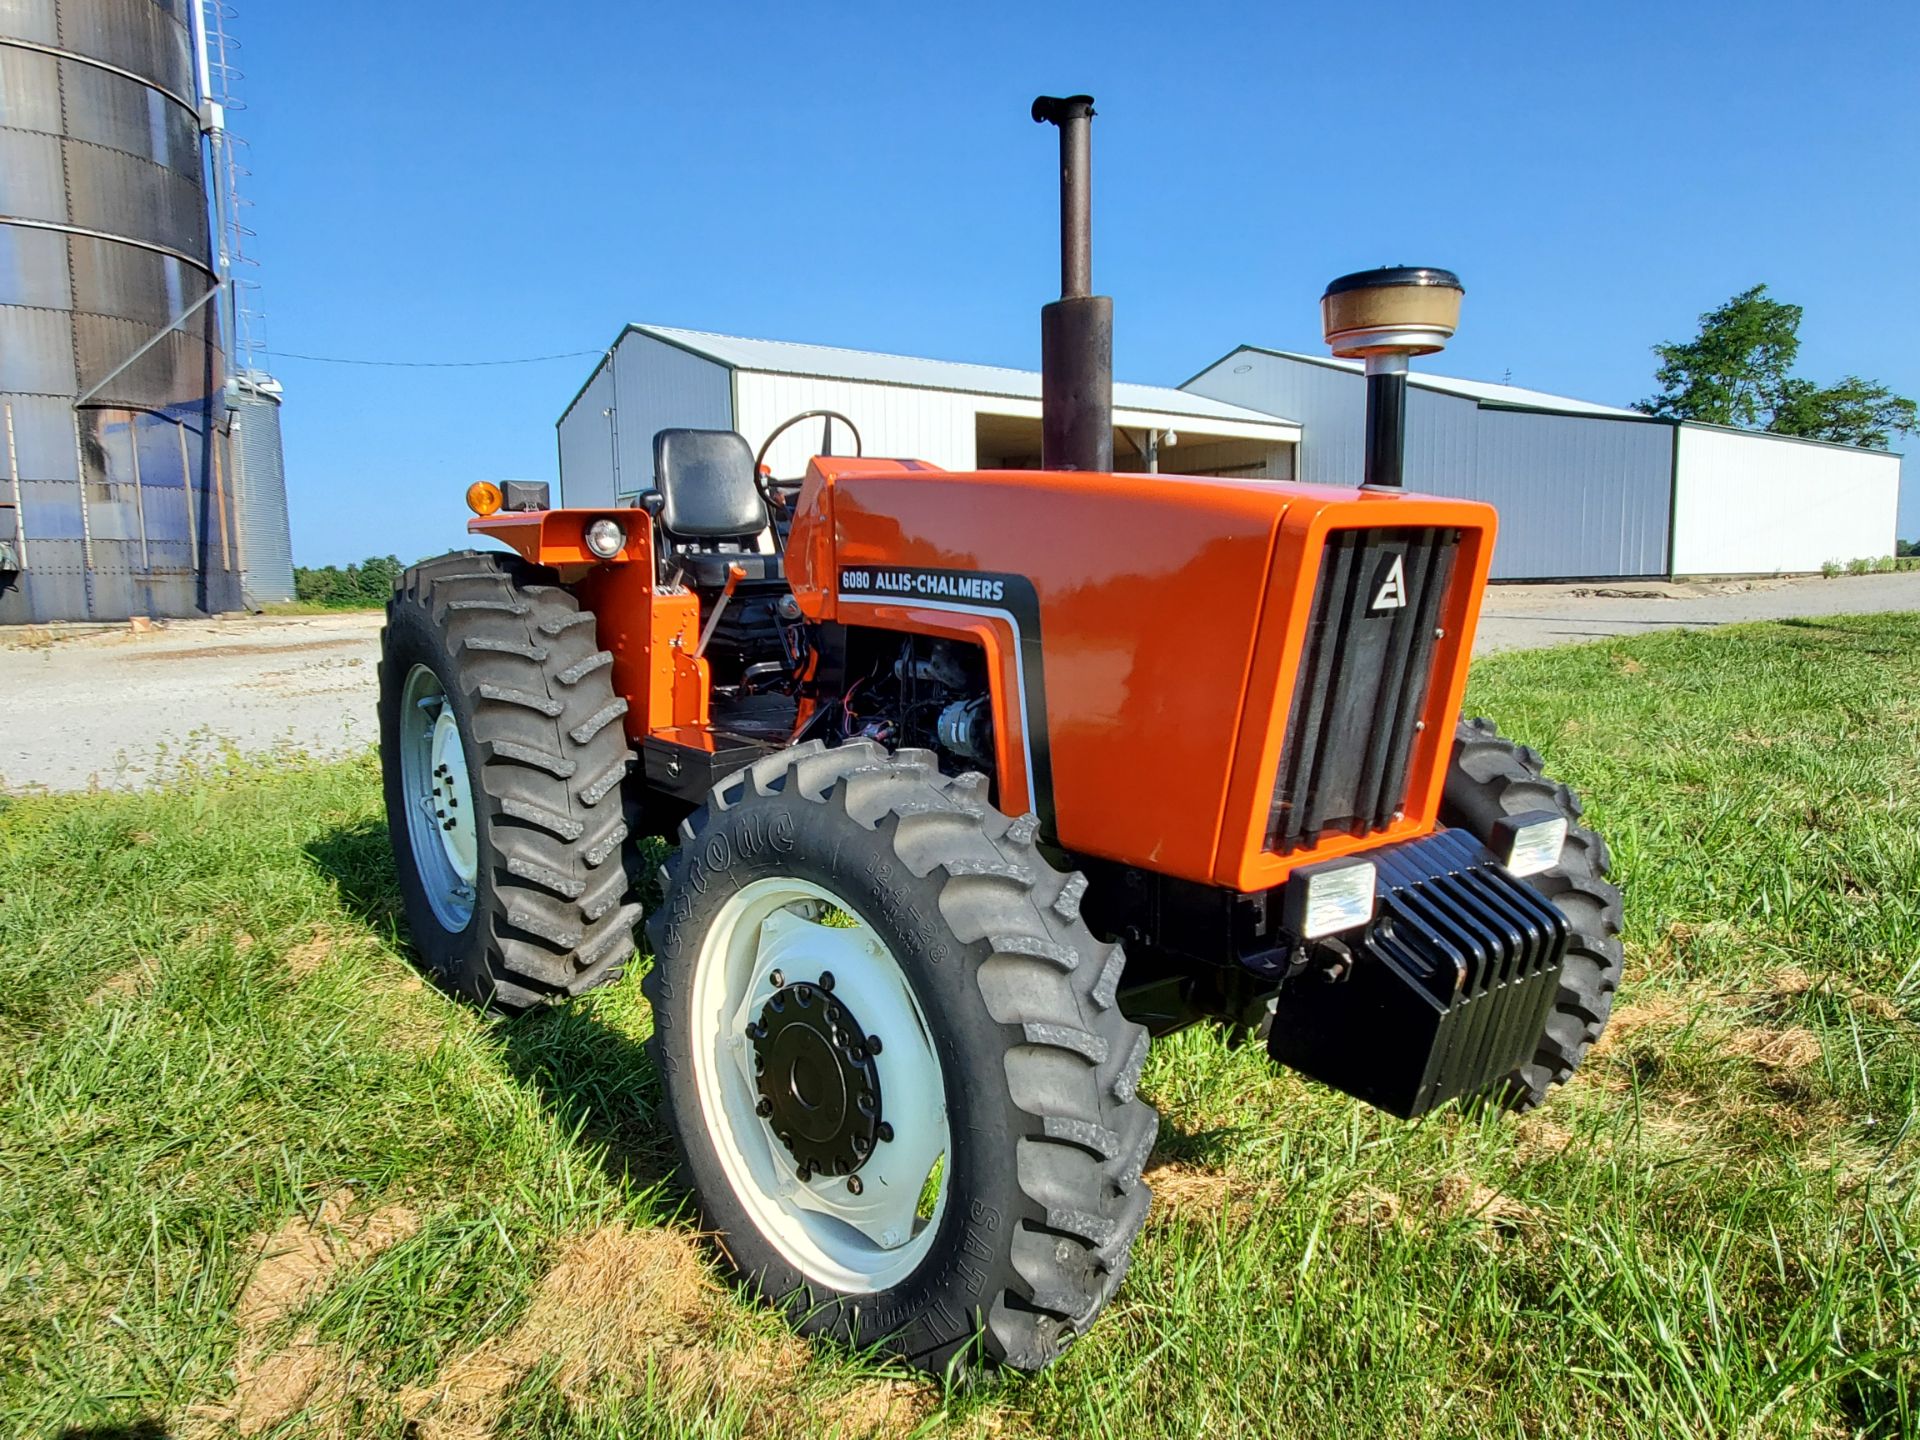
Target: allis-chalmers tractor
975,781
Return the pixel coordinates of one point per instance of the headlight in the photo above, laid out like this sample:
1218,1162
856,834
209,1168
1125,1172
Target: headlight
1327,898
605,538
1529,842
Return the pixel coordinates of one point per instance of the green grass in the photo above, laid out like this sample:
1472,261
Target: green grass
208,1025
316,607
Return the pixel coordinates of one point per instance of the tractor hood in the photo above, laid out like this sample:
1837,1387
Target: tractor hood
1147,636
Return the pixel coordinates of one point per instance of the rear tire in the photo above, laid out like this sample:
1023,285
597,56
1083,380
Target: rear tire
530,898
1039,1195
1492,776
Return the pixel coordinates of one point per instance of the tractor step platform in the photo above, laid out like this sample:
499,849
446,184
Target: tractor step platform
688,761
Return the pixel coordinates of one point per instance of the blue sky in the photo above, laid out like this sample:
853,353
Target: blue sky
485,180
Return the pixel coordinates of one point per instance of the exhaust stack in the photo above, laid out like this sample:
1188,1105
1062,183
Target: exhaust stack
1384,317
1076,331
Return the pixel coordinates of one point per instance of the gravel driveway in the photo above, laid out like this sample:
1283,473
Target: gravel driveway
109,708
1531,617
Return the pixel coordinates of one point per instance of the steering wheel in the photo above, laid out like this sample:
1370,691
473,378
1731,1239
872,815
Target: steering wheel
826,435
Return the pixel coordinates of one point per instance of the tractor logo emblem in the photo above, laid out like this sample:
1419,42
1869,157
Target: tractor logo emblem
1392,594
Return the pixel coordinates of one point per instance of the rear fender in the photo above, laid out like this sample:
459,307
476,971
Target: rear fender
650,630
558,538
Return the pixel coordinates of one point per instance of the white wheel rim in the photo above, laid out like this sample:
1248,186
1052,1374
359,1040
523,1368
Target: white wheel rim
853,1239
442,824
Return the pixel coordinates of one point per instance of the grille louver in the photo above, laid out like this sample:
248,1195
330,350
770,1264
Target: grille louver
1364,671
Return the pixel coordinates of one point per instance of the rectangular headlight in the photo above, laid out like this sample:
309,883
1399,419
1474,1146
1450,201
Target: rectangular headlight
526,495
1327,898
1529,842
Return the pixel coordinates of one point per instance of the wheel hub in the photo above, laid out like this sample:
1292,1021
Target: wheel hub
451,796
819,1087
442,820
856,1232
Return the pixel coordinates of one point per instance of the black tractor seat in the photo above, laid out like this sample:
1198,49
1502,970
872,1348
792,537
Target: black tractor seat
708,508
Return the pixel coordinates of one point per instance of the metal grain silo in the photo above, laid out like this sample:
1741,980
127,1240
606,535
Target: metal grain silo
115,472
260,489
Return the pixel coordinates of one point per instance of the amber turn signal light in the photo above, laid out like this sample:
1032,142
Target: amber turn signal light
484,497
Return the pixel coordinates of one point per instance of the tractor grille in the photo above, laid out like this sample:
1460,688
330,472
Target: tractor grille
1363,679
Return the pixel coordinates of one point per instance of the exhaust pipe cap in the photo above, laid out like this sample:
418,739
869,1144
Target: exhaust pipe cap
1053,109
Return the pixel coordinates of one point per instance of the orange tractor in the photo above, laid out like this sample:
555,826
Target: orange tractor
975,782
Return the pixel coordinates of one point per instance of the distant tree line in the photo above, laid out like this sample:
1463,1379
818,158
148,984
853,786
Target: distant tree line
1736,372
354,587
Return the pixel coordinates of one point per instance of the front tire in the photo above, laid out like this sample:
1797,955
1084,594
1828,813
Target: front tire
1492,776
503,758
1005,1060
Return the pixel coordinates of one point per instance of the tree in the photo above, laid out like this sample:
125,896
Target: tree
1853,412
1733,371
1736,371
363,586
378,576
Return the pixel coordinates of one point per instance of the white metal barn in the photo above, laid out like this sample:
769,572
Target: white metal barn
1587,490
957,416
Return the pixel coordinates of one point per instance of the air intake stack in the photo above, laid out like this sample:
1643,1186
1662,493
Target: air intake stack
1384,317
1076,331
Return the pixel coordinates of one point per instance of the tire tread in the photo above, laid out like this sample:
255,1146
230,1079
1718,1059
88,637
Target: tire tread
1492,775
541,697
1072,1060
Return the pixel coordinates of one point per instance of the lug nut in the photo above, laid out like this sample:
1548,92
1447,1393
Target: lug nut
803,993
805,1171
764,1108
826,980
862,1146
854,1187
776,979
884,1130
873,1044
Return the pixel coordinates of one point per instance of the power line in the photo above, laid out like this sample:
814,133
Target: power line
280,354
